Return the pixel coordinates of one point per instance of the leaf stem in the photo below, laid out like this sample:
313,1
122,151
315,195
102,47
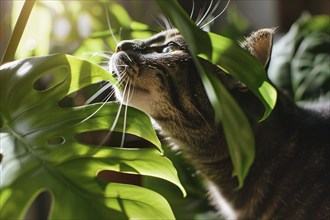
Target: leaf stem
18,31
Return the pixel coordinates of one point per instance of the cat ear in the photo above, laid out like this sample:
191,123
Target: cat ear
260,44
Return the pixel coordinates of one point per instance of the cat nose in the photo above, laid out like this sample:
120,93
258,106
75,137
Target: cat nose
124,46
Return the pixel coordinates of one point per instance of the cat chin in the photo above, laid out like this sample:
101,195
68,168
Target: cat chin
140,99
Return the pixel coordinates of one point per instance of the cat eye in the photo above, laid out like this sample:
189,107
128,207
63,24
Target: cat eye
170,47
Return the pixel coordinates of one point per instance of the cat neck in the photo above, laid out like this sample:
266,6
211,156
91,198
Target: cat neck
193,135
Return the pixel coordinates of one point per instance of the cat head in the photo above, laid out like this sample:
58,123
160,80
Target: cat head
159,77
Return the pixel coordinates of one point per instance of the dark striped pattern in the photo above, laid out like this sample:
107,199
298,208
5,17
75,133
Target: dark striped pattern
290,176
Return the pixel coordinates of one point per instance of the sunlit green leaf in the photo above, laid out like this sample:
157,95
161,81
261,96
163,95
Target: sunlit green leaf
41,151
249,71
235,123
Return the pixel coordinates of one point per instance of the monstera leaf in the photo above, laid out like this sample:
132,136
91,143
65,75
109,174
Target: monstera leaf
41,152
242,66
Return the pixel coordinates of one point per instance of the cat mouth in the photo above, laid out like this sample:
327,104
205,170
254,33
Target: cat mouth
126,70
123,64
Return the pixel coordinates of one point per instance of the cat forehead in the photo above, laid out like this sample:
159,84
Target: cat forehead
166,36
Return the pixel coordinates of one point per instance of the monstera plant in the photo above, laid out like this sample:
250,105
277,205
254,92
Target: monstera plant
41,151
40,146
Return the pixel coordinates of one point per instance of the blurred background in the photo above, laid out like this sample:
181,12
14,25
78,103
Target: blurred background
64,26
81,28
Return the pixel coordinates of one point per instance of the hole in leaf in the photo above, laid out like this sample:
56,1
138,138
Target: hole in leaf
110,176
104,138
1,156
51,79
40,207
98,92
56,140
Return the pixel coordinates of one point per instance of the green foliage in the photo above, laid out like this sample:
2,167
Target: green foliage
196,204
40,147
225,53
300,61
41,151
237,24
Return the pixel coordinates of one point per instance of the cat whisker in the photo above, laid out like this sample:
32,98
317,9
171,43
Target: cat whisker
210,14
108,49
166,21
124,65
114,124
113,71
225,8
120,32
123,74
99,92
205,14
121,83
128,57
160,24
200,14
125,114
179,119
119,109
109,24
107,98
200,114
104,63
192,9
98,109
131,96
105,54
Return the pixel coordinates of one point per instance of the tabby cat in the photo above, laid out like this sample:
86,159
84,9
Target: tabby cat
289,178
